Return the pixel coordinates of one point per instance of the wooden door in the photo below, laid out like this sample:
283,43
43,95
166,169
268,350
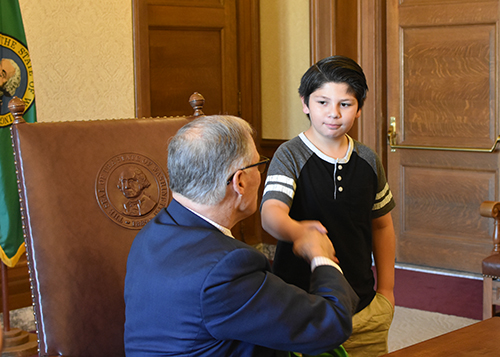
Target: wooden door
186,46
208,46
442,70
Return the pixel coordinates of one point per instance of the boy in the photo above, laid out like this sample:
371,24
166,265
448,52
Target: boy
325,180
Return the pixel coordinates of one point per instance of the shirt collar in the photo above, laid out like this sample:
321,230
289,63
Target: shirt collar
224,230
325,157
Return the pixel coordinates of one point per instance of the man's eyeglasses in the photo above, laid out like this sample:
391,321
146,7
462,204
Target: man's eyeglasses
261,165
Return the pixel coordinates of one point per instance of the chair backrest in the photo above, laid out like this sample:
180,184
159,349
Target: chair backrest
86,188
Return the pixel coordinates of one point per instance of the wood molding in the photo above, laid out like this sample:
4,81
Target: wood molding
141,58
334,28
269,146
334,31
249,64
372,127
356,29
322,28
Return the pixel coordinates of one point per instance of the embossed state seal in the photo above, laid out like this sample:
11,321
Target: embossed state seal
16,76
131,189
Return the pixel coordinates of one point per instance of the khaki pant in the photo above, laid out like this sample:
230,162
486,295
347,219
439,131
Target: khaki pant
370,329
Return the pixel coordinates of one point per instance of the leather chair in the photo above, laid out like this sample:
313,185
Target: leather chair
491,264
86,188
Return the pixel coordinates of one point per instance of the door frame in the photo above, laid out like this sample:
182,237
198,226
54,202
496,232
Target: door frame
357,29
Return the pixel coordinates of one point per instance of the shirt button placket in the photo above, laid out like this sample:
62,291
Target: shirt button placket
339,178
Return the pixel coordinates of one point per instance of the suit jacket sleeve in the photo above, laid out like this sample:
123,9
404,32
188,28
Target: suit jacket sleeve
242,300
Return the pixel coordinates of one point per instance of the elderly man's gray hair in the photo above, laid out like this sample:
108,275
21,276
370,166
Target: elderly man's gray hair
204,153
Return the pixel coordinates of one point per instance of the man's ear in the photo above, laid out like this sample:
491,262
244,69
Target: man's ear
238,182
305,107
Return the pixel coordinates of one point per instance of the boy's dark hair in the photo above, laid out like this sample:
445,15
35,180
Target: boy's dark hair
338,69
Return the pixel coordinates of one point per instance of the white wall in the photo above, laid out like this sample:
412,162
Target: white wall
82,56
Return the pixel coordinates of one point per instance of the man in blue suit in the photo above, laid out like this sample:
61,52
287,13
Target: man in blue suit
191,289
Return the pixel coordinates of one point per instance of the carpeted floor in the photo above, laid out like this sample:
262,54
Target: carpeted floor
411,326
21,318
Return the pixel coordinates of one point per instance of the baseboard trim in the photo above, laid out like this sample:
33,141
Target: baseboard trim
432,270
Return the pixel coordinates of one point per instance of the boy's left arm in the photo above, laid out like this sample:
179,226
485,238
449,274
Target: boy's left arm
384,253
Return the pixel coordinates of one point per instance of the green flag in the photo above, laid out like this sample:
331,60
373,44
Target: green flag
16,79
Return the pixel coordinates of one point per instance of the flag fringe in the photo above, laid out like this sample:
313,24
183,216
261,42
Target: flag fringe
11,262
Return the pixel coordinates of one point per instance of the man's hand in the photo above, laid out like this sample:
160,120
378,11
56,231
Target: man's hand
313,242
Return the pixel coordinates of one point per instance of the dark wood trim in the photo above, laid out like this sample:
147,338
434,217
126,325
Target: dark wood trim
333,28
322,28
249,64
141,58
356,29
269,146
250,106
334,31
372,126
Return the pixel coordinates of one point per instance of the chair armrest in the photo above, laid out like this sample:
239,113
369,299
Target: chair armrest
492,209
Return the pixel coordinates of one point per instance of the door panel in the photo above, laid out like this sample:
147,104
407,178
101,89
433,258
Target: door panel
183,47
447,85
185,67
442,96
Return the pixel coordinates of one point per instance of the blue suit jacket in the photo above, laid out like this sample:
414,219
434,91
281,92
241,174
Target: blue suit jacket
192,291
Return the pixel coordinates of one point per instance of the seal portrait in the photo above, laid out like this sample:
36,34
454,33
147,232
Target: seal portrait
131,189
16,76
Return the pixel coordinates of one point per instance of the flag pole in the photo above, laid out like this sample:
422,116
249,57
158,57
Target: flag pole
5,298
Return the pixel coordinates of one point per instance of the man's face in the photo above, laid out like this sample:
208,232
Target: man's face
7,70
254,179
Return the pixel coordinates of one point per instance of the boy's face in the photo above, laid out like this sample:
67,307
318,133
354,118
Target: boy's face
332,110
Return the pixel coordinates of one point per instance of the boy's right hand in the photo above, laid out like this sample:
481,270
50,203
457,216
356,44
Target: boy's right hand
312,241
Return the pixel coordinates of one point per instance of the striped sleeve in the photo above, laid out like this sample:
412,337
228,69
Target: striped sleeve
384,202
284,170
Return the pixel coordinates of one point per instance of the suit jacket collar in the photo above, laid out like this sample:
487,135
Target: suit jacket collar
181,216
